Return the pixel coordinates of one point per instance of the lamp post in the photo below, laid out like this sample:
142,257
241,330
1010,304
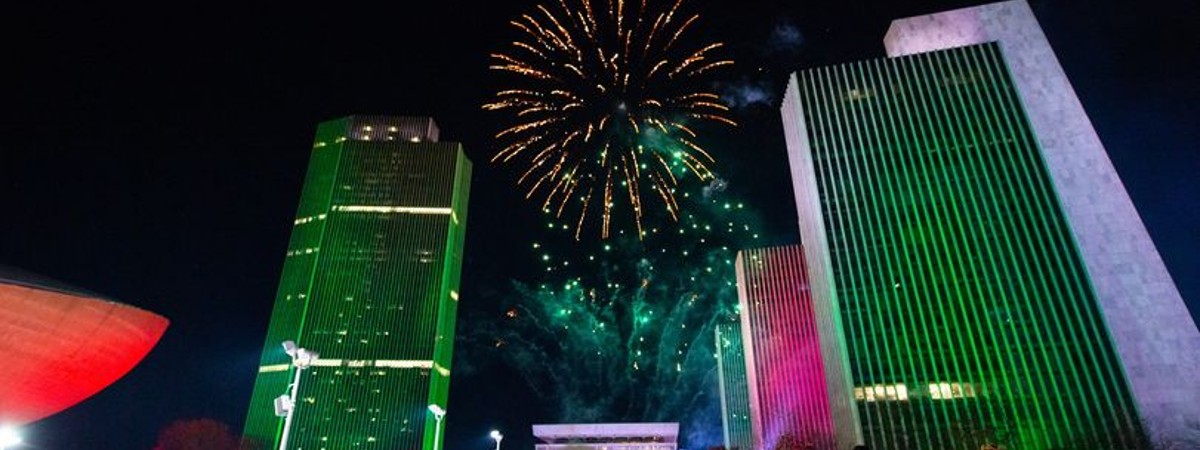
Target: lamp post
498,437
438,415
285,405
9,437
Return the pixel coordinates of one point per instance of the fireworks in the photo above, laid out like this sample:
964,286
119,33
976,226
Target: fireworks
624,331
607,107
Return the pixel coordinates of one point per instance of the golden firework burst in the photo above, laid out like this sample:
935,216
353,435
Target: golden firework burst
608,95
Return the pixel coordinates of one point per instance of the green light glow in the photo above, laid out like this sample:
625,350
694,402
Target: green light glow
952,262
378,300
636,344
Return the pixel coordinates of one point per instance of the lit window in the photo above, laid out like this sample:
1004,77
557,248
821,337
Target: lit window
949,391
882,393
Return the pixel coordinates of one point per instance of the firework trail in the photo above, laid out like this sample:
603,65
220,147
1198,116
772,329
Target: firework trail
606,107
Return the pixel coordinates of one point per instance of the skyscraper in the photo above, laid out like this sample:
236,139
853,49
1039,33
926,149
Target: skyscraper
370,282
786,340
737,431
1155,338
953,200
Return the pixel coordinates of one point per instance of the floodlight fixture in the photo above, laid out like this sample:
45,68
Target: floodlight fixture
305,358
285,405
290,348
498,437
438,412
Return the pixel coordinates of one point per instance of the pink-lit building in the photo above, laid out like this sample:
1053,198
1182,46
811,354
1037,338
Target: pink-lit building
782,340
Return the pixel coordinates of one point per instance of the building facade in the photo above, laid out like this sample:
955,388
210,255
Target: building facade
370,282
737,430
935,223
787,340
1155,337
607,436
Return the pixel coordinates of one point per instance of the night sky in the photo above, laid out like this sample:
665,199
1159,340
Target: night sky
156,156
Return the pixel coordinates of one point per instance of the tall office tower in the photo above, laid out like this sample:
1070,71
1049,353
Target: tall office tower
370,282
736,429
1155,337
785,344
954,205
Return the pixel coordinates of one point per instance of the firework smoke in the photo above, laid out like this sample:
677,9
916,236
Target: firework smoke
625,333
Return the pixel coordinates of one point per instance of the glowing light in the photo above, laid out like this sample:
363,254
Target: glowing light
392,209
9,437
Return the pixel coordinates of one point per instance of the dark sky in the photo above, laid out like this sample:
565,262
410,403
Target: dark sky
156,156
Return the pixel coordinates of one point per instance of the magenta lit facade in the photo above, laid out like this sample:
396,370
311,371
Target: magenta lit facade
782,341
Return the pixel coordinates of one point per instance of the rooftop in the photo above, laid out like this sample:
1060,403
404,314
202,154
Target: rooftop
594,432
18,277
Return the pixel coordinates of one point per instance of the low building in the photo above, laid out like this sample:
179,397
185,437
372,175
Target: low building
607,436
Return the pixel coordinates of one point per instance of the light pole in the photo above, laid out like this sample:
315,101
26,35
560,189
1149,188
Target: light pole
498,437
9,437
285,405
438,415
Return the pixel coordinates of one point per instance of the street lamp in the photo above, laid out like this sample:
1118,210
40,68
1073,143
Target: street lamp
285,405
498,437
9,437
438,415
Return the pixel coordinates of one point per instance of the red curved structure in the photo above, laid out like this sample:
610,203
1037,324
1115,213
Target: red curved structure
59,346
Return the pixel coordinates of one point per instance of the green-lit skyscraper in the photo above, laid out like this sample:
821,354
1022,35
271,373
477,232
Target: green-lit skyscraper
734,385
370,282
954,204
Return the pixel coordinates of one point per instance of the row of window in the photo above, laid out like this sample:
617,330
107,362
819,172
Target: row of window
307,219
899,392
